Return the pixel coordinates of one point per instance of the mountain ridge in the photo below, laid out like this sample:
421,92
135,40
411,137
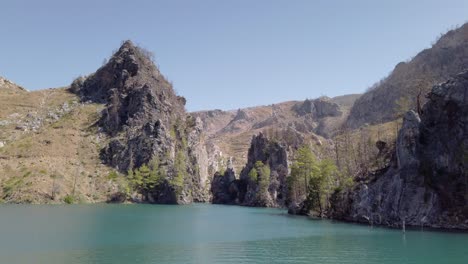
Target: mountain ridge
410,81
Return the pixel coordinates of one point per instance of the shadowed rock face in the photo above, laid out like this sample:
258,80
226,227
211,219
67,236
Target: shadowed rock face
443,143
226,189
427,183
145,119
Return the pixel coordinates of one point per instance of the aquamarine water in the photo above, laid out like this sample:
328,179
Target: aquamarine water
202,233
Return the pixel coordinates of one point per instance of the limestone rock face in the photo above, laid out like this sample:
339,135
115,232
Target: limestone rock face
200,161
426,185
443,144
145,120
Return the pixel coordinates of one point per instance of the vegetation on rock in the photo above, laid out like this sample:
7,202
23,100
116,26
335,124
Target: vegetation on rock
311,182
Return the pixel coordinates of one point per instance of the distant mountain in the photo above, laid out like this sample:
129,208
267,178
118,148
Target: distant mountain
398,92
230,132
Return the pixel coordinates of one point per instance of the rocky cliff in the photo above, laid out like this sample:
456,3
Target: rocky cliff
146,122
225,187
426,184
398,92
262,181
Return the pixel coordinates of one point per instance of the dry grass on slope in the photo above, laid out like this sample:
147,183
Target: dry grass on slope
56,156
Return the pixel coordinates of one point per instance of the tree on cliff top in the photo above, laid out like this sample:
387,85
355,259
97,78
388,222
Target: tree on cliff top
302,169
311,181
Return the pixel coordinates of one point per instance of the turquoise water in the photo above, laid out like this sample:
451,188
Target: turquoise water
207,234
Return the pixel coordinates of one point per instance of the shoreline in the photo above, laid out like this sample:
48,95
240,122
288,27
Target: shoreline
407,227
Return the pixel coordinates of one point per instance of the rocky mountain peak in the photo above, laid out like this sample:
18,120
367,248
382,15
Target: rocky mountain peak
129,68
132,88
146,122
134,60
453,37
240,115
240,121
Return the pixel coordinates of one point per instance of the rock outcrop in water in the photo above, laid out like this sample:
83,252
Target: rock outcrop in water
262,181
427,183
225,187
146,121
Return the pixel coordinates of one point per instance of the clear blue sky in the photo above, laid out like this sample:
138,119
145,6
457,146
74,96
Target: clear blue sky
225,54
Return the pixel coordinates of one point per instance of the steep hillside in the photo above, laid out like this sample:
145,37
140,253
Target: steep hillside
398,92
49,149
9,87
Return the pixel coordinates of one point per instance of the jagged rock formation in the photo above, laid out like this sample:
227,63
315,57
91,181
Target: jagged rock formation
318,108
273,155
427,183
198,152
247,191
238,122
446,58
146,120
225,187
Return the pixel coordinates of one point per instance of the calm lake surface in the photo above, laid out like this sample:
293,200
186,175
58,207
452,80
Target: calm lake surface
203,233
